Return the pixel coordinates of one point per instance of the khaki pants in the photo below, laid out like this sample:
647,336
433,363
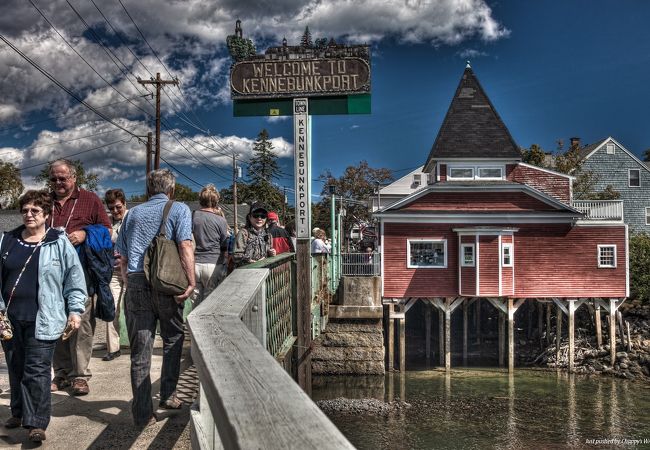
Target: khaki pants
72,357
113,328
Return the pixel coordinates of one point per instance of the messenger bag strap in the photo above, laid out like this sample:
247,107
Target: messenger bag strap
163,231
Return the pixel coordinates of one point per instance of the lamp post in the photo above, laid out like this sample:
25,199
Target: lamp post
333,254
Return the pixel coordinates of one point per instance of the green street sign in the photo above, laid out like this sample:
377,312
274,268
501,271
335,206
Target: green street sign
336,105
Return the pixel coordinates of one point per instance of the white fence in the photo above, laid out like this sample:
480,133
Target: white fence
600,209
246,399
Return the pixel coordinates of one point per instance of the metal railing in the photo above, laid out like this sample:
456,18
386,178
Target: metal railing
361,264
246,399
600,209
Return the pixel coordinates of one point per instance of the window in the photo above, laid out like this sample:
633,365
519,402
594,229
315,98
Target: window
489,172
417,179
466,173
647,216
607,256
506,255
426,253
610,149
635,177
467,255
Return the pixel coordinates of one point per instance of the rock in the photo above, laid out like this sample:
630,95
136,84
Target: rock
348,353
597,365
645,371
623,366
356,326
353,339
621,355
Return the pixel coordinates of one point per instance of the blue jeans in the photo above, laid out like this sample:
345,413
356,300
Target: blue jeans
29,361
143,307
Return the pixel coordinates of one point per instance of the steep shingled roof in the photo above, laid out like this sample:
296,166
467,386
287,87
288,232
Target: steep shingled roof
472,127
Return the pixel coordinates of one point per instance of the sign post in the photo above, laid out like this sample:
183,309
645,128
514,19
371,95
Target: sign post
302,149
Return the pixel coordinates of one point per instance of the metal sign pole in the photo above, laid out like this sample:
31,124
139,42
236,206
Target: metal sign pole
302,149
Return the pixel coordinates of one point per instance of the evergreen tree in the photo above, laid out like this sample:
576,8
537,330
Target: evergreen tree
11,185
306,41
263,169
534,156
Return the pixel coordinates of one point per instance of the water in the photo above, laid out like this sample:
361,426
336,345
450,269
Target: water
478,409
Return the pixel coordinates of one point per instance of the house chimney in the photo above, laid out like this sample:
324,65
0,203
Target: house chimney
575,142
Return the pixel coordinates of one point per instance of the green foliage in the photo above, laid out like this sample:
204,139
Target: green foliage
534,155
240,48
11,185
584,186
646,155
263,165
321,42
184,193
358,184
88,181
640,266
306,41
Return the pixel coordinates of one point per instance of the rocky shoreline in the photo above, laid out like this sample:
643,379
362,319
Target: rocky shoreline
632,363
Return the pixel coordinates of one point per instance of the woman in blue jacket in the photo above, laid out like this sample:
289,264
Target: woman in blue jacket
41,278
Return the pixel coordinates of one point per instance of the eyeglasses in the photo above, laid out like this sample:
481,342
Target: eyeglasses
259,216
33,211
116,207
59,179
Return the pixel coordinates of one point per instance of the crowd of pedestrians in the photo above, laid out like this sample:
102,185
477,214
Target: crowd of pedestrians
53,319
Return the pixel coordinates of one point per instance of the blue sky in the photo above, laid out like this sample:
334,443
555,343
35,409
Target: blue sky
553,70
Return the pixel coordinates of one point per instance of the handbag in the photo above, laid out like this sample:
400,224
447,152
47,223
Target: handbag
162,263
6,331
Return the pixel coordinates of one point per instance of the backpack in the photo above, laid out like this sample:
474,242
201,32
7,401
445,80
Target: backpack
162,263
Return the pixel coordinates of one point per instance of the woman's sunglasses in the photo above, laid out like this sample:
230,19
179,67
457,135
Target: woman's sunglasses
259,216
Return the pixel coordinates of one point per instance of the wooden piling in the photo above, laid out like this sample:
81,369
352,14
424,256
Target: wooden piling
571,331
558,335
465,325
511,335
447,334
427,327
540,324
502,319
441,336
599,331
402,339
391,338
479,338
549,310
612,331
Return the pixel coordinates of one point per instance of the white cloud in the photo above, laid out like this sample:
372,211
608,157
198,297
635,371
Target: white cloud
471,53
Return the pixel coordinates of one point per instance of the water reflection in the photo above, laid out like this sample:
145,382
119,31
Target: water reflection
490,409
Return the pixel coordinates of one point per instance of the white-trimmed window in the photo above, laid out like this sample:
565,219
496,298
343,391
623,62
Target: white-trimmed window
461,173
507,255
634,177
490,173
647,216
611,149
607,256
426,253
467,255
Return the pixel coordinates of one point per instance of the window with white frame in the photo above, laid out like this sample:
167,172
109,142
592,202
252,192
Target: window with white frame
490,172
427,253
611,149
506,255
647,216
607,256
467,255
635,177
461,173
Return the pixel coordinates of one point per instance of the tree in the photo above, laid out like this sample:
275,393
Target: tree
640,266
85,180
239,47
306,41
534,156
646,155
11,185
356,185
184,193
263,169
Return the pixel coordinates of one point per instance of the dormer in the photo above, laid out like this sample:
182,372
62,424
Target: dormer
417,180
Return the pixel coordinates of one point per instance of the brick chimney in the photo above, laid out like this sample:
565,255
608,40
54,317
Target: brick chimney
575,142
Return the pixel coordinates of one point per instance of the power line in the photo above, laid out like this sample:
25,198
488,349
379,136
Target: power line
64,88
174,168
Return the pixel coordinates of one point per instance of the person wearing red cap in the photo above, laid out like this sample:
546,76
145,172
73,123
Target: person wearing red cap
281,239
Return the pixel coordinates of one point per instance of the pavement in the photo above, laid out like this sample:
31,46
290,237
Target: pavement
102,419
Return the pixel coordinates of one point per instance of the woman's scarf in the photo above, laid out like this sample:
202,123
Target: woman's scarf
256,244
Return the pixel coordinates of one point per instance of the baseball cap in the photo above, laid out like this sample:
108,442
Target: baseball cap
273,216
258,206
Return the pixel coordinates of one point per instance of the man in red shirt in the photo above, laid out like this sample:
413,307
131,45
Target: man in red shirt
281,239
73,209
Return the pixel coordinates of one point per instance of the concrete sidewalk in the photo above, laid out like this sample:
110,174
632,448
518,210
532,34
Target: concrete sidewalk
102,419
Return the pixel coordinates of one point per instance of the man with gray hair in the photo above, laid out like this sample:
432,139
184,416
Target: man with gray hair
73,210
143,306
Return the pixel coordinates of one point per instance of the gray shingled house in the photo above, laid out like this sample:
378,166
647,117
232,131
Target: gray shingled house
616,166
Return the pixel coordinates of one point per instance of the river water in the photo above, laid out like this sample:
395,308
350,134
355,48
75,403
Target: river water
478,409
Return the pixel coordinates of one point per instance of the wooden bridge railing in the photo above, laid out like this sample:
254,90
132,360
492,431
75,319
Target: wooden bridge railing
246,399
600,209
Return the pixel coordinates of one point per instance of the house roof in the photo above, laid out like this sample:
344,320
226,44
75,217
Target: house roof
587,149
472,127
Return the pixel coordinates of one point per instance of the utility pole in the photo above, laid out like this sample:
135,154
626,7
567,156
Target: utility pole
159,82
234,190
149,145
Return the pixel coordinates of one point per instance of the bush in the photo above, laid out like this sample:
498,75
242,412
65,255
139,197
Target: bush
640,267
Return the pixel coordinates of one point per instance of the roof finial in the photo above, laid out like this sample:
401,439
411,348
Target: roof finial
468,66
